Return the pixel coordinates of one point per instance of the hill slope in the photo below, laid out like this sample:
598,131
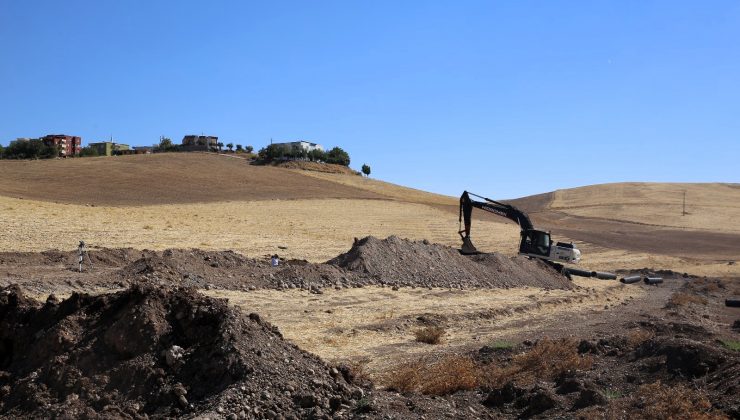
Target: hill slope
162,179
214,202
645,217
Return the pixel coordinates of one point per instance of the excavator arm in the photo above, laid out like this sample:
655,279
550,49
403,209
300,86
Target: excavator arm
533,242
504,210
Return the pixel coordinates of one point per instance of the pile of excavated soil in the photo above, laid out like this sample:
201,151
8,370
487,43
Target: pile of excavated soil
69,259
370,261
229,270
420,263
157,352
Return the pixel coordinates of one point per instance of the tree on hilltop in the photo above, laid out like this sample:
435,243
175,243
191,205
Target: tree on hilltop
249,149
30,149
239,148
89,152
337,156
366,169
165,145
220,146
230,146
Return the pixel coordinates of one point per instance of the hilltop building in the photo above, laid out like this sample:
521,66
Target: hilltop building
68,145
109,148
302,145
139,150
192,142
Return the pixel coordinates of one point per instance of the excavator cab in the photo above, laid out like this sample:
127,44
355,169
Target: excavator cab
535,242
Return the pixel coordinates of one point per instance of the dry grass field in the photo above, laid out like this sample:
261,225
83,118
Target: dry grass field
212,202
710,207
316,230
378,325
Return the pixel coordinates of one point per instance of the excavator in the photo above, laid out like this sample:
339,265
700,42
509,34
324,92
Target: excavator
534,243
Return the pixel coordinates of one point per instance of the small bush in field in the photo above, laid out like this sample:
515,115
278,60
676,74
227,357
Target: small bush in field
546,360
430,335
442,377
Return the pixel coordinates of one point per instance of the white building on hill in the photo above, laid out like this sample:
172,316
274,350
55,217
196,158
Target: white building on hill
303,145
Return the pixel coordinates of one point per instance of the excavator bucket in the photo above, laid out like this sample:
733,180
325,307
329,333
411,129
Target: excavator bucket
468,247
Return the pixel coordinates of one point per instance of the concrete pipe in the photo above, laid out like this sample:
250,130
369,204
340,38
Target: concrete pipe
733,303
581,273
605,276
630,279
653,280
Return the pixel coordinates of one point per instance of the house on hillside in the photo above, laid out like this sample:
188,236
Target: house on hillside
109,148
193,143
306,146
67,145
142,150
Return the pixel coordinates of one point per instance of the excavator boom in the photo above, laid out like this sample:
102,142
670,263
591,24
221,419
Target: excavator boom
534,243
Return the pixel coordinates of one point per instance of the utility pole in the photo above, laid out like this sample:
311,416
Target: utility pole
683,213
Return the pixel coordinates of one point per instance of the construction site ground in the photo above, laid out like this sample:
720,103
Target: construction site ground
354,312
178,287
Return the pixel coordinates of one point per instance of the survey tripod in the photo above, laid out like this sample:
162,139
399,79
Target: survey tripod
82,254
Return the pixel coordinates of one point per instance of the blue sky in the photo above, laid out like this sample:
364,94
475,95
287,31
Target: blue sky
501,98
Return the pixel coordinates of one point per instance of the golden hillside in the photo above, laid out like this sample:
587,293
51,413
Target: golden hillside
713,207
215,202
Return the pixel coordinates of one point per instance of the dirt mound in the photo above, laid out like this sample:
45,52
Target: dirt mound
229,270
370,261
112,257
186,267
157,352
421,263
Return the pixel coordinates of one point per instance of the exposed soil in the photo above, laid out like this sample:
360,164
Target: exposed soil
158,348
164,352
629,235
370,261
420,263
642,238
154,351
672,360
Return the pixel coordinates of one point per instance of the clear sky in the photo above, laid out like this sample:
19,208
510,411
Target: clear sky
505,99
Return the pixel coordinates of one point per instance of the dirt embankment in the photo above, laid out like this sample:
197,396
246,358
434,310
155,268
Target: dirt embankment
155,352
163,352
371,261
392,261
420,263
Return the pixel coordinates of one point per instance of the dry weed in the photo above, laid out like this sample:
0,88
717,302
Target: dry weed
546,360
357,370
683,299
442,377
658,401
639,336
430,335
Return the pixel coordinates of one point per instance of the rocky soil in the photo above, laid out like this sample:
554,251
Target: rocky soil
153,347
157,352
393,262
420,263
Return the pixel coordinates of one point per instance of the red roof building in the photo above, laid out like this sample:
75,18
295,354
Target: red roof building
68,145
